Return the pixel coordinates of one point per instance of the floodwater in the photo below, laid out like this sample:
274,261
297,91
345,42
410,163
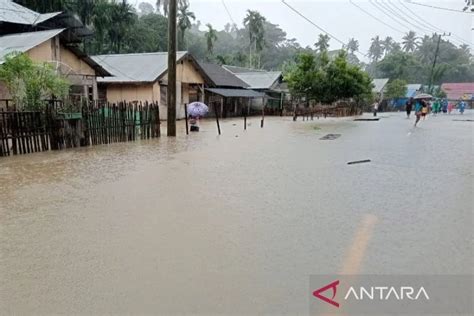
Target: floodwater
232,224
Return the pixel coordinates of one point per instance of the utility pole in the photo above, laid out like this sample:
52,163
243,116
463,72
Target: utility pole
171,89
434,61
469,6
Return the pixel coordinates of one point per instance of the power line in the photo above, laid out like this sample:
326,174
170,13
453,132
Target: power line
434,27
376,18
397,16
383,10
318,27
228,12
427,29
435,7
401,17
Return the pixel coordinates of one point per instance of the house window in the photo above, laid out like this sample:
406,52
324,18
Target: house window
163,95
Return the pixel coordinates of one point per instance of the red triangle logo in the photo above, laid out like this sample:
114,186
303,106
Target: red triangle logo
332,286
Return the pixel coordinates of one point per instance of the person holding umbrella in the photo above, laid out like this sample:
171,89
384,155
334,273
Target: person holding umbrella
195,111
418,109
421,107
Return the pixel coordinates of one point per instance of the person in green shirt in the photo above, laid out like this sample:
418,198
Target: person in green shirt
436,106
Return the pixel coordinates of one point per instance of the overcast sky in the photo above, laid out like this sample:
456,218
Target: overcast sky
339,17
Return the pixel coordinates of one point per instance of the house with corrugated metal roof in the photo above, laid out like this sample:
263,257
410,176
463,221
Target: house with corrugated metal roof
144,77
457,91
379,86
15,18
49,47
268,82
51,38
225,91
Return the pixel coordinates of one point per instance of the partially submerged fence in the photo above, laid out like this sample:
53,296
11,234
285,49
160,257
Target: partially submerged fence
24,132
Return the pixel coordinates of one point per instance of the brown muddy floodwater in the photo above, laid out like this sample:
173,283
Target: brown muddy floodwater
234,224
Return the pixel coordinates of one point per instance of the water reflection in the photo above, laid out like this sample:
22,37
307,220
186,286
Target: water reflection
217,225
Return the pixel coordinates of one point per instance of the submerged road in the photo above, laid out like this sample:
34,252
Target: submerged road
234,224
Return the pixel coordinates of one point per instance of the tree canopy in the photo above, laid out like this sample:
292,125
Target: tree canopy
396,89
255,41
29,82
316,77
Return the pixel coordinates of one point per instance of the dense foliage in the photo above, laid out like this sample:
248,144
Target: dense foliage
121,28
412,60
28,82
396,89
320,79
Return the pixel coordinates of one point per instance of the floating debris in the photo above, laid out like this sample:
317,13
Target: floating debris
466,120
367,119
330,137
358,161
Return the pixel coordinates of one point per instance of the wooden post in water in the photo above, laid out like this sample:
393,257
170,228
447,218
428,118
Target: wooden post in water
263,112
186,118
171,95
158,120
244,111
217,119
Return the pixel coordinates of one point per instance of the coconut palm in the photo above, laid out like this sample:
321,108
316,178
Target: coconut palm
410,42
211,37
184,20
164,4
322,44
426,49
85,9
101,20
376,49
387,45
465,49
352,45
254,22
122,17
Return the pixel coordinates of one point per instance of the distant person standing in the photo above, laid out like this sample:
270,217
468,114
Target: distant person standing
461,106
376,107
444,106
409,107
436,106
450,107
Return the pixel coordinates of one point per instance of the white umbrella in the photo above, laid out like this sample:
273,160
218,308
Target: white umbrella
424,96
197,109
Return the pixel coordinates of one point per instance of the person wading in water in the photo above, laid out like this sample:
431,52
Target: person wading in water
418,110
409,107
376,107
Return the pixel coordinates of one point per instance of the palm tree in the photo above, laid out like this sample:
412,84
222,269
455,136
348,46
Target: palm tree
410,42
387,45
426,49
353,45
396,47
100,20
465,49
184,20
165,5
122,17
376,49
211,37
322,44
85,10
254,22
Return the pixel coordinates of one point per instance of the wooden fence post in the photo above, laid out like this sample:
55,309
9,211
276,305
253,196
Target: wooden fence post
186,118
217,119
